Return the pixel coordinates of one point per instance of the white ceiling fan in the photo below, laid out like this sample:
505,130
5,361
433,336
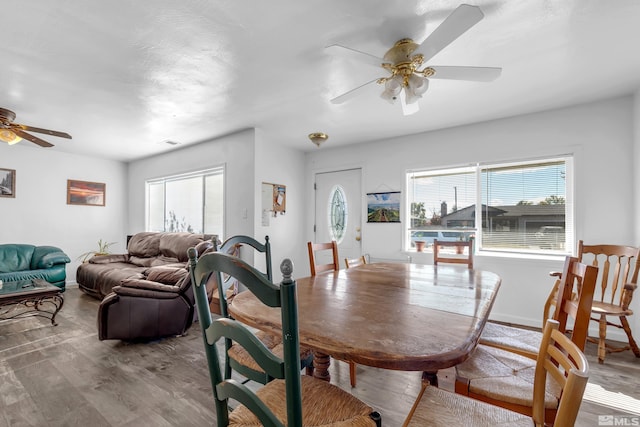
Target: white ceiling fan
409,78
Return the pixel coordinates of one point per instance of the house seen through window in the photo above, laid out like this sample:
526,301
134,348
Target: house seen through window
192,202
515,207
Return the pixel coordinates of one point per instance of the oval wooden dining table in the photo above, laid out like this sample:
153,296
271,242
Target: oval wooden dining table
407,317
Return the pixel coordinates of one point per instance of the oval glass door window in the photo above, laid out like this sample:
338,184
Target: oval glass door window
337,213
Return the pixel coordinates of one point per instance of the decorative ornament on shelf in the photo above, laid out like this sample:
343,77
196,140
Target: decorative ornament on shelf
318,138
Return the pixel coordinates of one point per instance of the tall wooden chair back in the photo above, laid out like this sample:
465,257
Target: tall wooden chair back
559,358
499,373
575,302
354,262
236,357
464,248
618,278
321,268
269,407
350,263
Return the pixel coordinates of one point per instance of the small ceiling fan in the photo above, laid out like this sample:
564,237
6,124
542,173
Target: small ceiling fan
405,60
12,133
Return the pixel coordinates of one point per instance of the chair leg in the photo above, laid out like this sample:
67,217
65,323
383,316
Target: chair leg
352,373
632,342
375,416
550,303
602,349
309,370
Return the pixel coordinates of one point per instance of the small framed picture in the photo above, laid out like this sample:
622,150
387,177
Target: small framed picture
383,207
7,182
85,193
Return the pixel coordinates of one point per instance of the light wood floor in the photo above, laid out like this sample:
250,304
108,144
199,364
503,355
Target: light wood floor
65,376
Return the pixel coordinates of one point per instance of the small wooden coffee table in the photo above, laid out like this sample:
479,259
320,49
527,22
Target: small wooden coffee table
32,297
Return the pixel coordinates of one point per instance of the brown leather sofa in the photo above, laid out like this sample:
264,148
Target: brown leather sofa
145,250
157,305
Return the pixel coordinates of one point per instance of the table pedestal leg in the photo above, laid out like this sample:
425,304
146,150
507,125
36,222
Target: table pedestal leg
431,376
321,364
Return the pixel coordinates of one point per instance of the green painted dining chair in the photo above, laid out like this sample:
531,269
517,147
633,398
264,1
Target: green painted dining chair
236,357
290,399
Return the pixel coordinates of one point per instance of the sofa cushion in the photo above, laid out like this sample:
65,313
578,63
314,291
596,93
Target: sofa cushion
145,244
107,259
175,245
166,275
15,257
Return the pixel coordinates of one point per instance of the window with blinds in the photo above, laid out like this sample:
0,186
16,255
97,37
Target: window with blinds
524,206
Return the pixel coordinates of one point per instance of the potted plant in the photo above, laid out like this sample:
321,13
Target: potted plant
103,249
420,245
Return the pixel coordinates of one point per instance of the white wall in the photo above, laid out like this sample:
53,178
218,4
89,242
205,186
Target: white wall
249,160
234,151
600,135
284,166
40,215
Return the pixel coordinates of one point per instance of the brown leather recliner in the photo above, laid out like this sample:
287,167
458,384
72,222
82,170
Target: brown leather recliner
158,305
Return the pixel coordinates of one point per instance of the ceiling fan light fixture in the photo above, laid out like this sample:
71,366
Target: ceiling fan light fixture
318,138
393,85
418,85
412,98
9,137
389,96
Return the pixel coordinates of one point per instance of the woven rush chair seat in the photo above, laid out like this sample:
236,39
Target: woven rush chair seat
453,410
272,342
518,340
506,376
323,404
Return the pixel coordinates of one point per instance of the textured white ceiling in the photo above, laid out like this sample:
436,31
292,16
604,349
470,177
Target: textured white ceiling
123,76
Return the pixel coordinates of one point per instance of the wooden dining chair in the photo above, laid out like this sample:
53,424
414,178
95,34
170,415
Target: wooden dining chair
354,262
560,361
321,268
526,341
618,278
290,399
350,263
236,357
504,375
464,248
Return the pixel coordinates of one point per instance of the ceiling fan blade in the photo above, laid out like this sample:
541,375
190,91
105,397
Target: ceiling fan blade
408,109
474,74
460,20
47,131
28,137
352,93
349,53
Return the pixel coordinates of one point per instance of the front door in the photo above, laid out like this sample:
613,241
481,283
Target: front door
339,213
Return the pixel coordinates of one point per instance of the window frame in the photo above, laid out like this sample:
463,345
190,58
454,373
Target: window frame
478,168
200,173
